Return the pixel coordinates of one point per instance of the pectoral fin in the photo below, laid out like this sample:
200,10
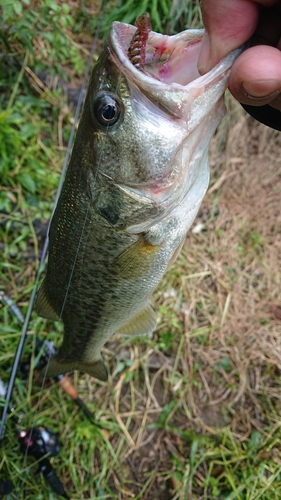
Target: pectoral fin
57,367
43,306
144,323
175,254
136,260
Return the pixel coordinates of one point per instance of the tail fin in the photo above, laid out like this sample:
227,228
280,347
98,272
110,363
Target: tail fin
57,367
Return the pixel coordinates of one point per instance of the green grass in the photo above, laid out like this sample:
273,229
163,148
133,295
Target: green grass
194,411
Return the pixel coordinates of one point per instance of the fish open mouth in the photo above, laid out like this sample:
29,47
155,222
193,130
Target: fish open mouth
167,59
168,70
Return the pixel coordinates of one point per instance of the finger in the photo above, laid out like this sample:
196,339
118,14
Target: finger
228,24
255,77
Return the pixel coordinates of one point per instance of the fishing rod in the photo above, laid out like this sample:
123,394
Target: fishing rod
27,437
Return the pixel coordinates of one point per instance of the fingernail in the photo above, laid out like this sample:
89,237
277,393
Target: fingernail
261,90
205,54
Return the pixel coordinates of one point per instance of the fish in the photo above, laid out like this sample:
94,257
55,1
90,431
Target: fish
135,181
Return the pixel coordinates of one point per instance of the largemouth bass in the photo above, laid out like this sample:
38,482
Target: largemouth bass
136,178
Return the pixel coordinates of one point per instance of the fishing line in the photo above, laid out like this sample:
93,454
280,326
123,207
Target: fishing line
46,242
19,351
72,270
80,102
82,233
45,247
78,247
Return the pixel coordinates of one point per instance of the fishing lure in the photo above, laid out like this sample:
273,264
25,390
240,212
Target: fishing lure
136,52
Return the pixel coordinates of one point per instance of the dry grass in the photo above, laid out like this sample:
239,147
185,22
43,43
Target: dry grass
241,250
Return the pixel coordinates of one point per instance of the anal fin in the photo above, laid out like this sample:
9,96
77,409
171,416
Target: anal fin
144,323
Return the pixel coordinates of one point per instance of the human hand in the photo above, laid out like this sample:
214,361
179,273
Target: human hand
255,77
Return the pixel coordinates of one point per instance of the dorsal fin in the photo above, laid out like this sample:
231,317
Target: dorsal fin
43,306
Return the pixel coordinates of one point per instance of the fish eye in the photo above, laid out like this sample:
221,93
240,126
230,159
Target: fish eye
107,110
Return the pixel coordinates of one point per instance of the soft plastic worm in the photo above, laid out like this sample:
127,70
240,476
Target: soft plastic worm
136,52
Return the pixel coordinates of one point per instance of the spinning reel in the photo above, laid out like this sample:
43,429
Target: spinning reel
40,443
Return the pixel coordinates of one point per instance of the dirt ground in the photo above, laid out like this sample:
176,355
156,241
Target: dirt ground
245,260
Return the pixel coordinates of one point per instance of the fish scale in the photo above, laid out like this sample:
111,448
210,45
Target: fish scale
136,178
